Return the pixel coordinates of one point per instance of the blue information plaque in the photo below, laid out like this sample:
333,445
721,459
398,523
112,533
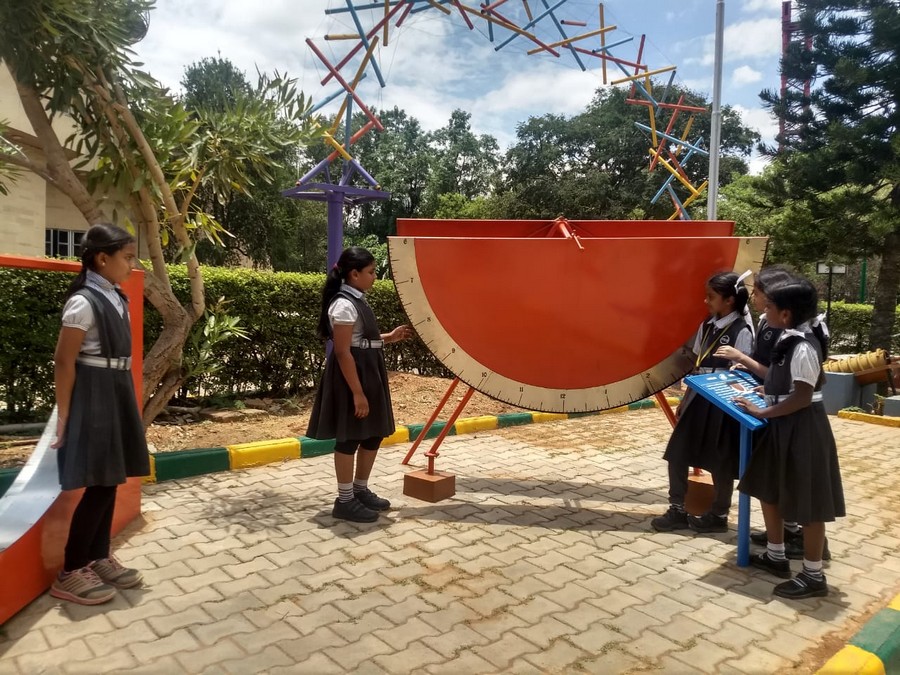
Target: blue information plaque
721,389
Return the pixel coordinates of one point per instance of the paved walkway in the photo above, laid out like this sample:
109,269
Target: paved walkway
543,562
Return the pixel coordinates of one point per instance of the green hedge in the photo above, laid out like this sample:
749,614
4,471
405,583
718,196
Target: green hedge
279,311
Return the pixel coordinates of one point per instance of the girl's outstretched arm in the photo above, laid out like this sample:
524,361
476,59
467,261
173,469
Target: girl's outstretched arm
798,399
67,348
403,332
343,335
742,359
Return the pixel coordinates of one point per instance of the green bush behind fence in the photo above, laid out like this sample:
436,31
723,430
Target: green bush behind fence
279,311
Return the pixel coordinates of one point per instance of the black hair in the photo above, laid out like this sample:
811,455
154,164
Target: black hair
726,284
772,276
801,299
352,258
100,238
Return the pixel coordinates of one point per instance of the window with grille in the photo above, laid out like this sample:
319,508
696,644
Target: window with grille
62,243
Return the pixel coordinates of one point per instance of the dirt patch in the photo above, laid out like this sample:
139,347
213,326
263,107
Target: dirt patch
414,398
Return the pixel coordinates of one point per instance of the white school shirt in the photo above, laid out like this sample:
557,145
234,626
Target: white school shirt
805,364
78,312
342,312
743,343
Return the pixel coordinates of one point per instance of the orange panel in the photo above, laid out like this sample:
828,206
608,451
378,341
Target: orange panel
546,313
423,227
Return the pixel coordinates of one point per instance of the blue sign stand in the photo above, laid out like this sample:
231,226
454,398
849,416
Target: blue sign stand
721,389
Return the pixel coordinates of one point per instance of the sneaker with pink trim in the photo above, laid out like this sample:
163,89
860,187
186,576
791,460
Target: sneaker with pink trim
114,573
82,586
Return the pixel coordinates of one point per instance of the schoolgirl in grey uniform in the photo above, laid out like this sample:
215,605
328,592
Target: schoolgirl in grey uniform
704,436
353,403
794,469
100,436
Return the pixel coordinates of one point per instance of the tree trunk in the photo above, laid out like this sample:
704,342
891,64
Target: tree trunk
886,289
59,170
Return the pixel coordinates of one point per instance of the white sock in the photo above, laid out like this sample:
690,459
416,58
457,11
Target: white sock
360,485
345,492
793,528
775,551
813,568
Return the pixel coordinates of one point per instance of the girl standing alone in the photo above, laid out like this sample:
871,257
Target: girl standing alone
100,436
353,403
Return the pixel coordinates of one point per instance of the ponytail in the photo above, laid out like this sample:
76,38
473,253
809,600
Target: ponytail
100,238
820,330
352,258
333,281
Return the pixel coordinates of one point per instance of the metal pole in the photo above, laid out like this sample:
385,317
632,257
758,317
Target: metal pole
715,136
863,272
828,307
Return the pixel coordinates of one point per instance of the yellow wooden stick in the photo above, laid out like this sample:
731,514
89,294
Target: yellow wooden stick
436,4
337,146
649,73
602,43
574,39
356,78
681,179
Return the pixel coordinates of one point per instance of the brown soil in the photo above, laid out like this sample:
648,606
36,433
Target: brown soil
414,398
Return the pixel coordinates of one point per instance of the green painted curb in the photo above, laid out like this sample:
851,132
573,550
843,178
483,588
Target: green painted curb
511,420
194,462
881,636
312,447
433,432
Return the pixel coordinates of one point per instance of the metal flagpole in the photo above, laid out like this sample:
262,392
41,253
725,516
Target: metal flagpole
716,132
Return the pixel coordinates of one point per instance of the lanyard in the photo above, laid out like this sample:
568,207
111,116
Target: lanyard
712,344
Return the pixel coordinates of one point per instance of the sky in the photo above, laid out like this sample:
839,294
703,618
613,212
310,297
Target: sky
433,64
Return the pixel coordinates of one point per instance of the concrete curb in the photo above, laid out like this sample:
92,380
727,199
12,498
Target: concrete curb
871,419
198,461
874,650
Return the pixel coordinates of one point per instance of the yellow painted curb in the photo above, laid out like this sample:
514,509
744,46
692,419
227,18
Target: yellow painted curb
852,660
895,603
152,477
400,435
469,425
243,455
538,417
621,408
871,419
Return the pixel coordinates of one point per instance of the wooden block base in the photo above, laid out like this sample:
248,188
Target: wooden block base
429,487
700,494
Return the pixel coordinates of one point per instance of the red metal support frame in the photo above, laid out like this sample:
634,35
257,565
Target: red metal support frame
430,422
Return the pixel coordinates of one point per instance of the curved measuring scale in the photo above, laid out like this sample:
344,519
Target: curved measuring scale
529,314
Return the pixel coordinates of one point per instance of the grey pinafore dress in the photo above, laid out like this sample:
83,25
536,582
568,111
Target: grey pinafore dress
705,437
333,411
795,462
104,438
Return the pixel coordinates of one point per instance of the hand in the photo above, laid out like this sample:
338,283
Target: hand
738,366
403,332
360,405
60,433
729,353
748,407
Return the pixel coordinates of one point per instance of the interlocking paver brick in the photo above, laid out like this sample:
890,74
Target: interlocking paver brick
548,536
114,662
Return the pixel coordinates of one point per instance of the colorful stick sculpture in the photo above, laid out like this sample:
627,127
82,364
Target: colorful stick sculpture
668,150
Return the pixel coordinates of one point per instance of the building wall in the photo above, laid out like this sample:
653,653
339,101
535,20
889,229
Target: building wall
22,216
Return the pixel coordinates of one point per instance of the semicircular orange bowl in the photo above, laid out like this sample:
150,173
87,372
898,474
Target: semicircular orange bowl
548,325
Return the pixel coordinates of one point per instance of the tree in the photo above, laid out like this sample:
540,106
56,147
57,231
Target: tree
462,162
73,57
844,165
594,164
265,228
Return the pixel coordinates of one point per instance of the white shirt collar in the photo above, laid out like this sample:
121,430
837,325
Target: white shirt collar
724,321
99,281
355,292
798,332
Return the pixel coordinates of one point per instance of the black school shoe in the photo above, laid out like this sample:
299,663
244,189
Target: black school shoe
354,511
793,549
780,568
673,519
708,522
802,586
372,501
790,538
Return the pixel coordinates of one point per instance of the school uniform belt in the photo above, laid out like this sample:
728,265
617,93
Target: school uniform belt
114,362
366,343
772,399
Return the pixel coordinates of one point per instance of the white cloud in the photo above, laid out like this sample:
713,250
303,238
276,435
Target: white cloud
761,120
744,41
770,7
745,75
